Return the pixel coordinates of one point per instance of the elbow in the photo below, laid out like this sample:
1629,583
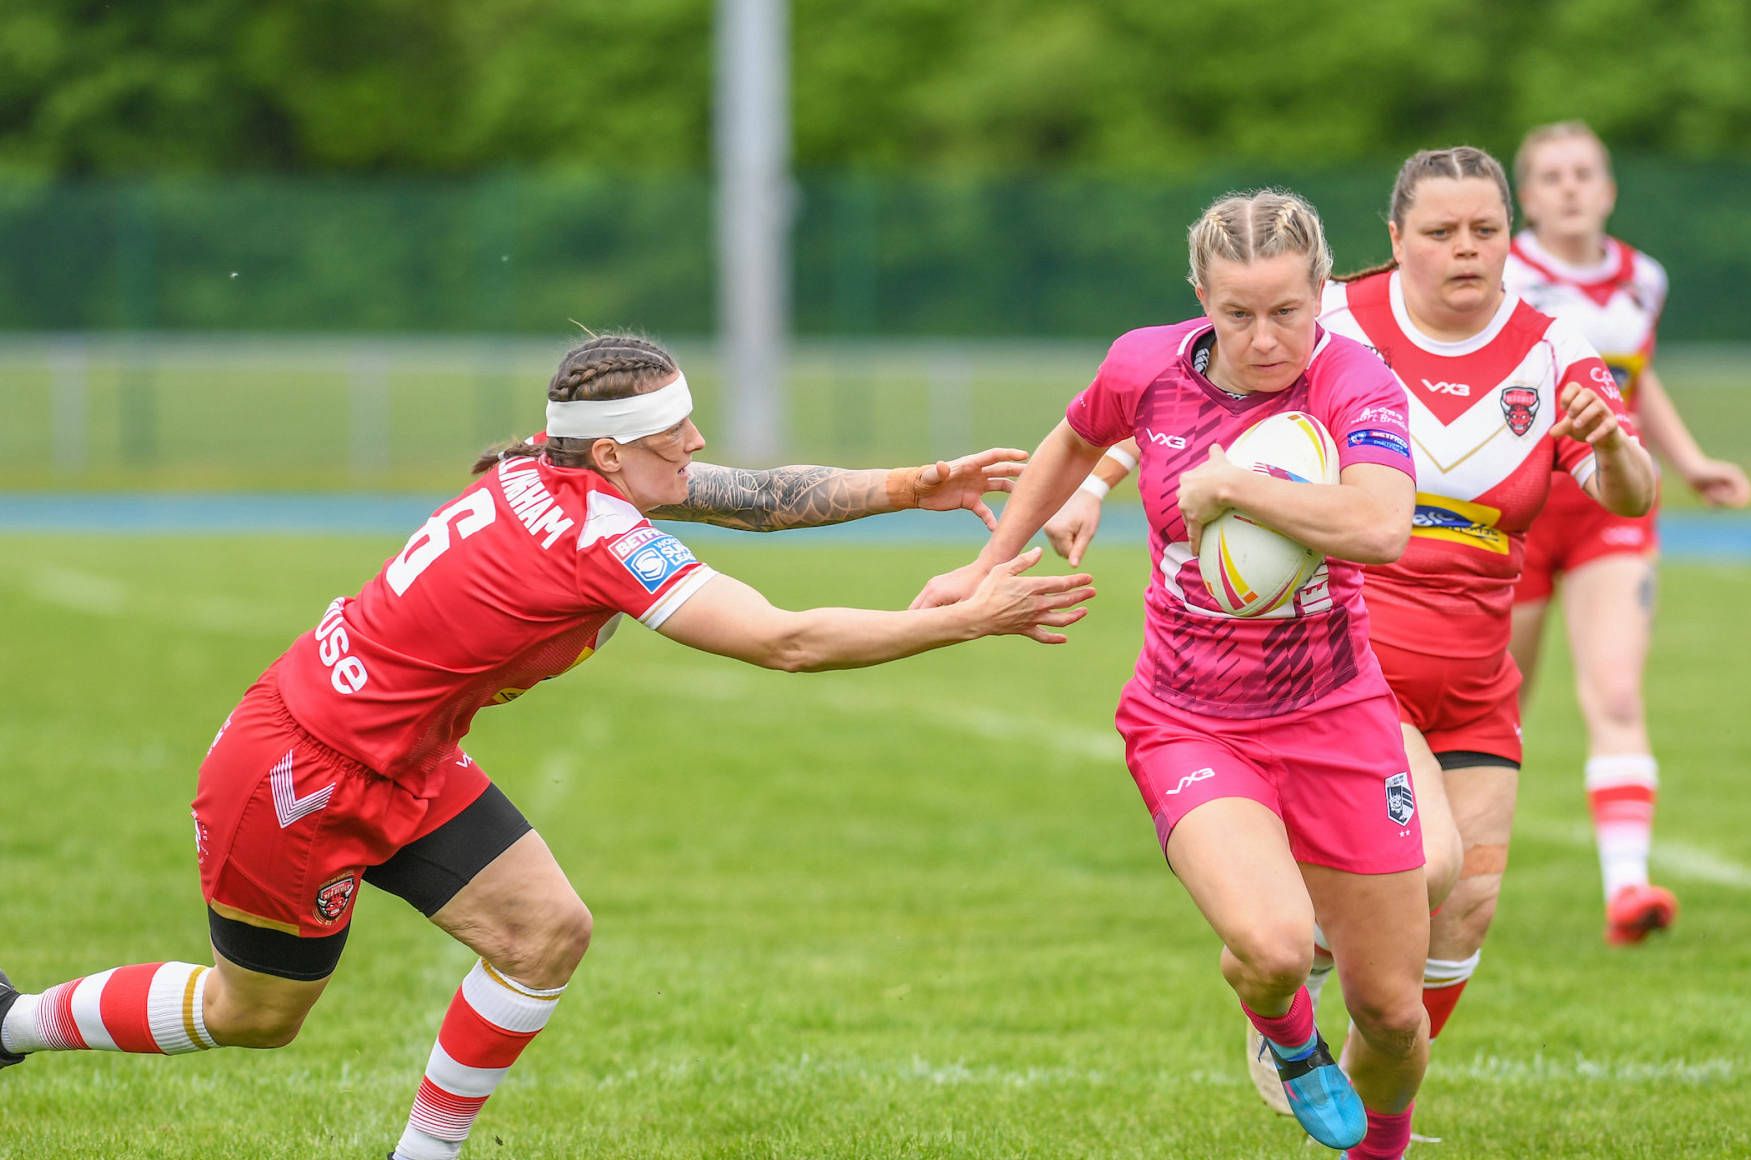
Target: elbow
1380,544
790,653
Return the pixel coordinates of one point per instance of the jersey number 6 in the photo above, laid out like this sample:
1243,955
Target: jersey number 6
470,514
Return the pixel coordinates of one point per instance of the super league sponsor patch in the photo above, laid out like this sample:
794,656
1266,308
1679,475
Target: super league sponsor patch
1385,440
651,556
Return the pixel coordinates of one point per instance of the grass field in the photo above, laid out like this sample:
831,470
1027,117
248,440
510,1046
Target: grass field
915,911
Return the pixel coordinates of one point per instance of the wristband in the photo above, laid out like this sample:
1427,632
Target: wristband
1123,458
1094,486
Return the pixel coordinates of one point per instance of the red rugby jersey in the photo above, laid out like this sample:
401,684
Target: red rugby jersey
522,576
1480,417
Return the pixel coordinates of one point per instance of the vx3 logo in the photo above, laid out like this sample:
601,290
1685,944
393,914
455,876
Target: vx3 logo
1195,776
1177,442
1459,390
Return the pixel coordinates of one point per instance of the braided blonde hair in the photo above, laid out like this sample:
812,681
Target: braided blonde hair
1240,227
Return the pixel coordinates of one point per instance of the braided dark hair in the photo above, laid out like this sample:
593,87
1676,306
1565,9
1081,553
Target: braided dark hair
612,366
1459,162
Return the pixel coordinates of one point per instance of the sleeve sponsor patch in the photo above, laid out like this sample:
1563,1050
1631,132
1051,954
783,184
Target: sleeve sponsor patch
1385,440
651,556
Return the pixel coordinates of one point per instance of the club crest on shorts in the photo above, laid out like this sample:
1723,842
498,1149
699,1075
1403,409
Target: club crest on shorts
1401,802
332,900
1519,408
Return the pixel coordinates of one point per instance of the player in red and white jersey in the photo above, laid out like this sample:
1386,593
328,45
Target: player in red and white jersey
1267,750
1565,264
343,765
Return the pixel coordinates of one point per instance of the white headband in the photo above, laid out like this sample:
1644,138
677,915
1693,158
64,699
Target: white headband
622,420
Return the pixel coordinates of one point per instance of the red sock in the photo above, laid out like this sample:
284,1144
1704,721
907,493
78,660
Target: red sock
1439,1003
1388,1136
1291,1031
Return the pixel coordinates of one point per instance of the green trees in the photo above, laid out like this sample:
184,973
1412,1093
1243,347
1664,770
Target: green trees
1139,86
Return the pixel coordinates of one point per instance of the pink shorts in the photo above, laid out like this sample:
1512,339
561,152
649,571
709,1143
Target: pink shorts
285,827
1573,530
1458,704
1336,776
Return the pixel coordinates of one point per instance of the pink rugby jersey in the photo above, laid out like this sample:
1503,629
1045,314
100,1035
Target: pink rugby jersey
1195,656
1480,417
1615,303
522,576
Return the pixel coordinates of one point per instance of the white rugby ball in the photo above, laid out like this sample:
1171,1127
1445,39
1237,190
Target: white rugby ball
1250,569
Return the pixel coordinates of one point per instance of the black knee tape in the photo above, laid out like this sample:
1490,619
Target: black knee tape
429,872
274,952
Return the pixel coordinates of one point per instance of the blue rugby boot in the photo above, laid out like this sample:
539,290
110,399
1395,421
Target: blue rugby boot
8,996
1321,1097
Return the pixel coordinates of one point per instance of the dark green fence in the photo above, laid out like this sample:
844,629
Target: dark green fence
874,255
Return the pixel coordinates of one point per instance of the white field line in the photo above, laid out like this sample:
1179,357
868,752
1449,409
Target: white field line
1676,858
80,591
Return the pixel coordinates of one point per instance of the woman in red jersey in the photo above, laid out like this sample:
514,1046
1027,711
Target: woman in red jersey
1279,790
1565,264
342,764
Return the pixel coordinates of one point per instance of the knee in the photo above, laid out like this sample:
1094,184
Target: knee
544,953
1391,1024
1614,700
1465,918
233,1025
1274,956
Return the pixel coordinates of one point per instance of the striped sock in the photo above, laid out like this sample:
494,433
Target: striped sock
1621,789
148,1008
490,1021
1443,982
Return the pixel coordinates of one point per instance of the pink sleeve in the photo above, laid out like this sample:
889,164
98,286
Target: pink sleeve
1105,412
1369,418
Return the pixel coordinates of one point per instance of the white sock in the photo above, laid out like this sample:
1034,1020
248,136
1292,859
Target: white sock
1621,789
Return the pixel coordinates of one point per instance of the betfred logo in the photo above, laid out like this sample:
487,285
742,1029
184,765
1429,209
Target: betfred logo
1519,408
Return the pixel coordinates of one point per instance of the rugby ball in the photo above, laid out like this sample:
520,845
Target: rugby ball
1250,569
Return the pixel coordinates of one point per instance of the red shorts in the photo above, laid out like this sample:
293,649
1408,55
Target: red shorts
1469,704
285,826
1336,776
1573,530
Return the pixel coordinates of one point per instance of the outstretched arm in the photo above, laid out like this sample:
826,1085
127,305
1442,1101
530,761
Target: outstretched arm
1718,482
807,496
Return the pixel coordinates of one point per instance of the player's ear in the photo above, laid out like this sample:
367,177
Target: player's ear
605,454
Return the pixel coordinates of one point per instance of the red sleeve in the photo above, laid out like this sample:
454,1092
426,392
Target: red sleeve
644,572
1573,455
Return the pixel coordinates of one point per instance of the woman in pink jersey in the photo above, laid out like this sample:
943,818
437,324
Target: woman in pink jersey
1498,397
1566,265
342,763
1279,790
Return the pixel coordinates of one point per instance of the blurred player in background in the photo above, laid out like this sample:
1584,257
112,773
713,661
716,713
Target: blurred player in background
1499,397
1267,749
342,763
1565,264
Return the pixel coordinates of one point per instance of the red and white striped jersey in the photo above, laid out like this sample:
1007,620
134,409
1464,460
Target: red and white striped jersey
1480,417
522,576
1615,303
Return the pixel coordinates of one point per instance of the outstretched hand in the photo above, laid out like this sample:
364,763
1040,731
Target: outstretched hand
950,484
1011,603
1719,483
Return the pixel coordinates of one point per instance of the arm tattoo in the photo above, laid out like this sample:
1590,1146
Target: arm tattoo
778,498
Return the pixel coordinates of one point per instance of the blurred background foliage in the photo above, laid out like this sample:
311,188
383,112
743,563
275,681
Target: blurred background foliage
1001,168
